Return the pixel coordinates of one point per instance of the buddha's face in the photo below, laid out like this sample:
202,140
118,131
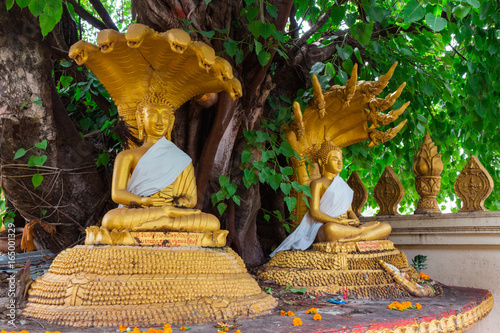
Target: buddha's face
334,164
156,119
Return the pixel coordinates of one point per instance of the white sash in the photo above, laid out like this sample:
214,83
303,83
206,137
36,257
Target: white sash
157,168
334,202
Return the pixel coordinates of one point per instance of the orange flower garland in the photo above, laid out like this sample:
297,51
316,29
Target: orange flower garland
403,306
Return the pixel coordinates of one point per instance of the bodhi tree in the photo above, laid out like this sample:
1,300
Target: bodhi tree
446,50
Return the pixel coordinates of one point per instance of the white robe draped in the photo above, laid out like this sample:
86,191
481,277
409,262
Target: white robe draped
158,168
334,202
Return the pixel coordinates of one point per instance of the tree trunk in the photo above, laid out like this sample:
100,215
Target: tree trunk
72,193
219,146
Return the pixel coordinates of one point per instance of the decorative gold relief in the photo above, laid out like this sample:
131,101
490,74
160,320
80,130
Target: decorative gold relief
360,193
388,192
427,169
473,186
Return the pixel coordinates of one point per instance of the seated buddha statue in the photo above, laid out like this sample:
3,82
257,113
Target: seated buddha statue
154,183
330,217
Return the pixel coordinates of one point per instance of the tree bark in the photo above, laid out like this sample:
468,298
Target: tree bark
73,193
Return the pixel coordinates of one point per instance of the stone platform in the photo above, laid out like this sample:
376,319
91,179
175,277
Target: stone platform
351,268
456,310
124,285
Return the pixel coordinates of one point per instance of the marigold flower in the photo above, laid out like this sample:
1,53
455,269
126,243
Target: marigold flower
226,328
424,276
418,306
237,331
290,314
312,311
136,330
122,328
151,330
23,331
283,313
184,328
317,316
297,321
167,325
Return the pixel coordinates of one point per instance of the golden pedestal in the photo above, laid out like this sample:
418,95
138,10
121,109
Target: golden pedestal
145,286
341,268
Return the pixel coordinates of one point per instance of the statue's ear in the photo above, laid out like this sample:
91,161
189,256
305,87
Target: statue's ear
170,127
140,124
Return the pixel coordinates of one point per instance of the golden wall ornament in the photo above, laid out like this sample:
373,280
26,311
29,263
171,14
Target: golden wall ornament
344,115
388,192
360,193
473,186
427,169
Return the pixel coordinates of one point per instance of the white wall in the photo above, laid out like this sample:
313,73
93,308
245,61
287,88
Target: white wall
462,249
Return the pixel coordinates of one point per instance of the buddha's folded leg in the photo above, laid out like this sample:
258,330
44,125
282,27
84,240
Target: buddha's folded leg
124,218
200,222
331,232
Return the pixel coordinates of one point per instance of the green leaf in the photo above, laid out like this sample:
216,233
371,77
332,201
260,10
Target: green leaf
376,13
36,180
291,202
330,70
258,46
41,145
362,32
338,14
20,153
274,181
298,291
261,136
422,118
246,156
23,3
413,12
264,58
231,189
208,34
267,217
481,109
285,188
486,10
239,57
272,10
221,207
231,47
37,160
317,68
9,4
51,15
251,13
237,200
65,80
435,23
207,2
223,180
36,8
287,171
461,11
86,123
343,53
266,155
474,3
103,159
261,29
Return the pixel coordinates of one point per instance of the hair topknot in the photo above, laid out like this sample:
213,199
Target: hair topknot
324,151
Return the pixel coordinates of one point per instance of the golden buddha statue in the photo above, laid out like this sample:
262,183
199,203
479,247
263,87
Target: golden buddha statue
155,188
330,217
345,227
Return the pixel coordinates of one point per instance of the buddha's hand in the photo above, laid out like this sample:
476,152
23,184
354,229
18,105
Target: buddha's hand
347,221
181,202
173,212
154,202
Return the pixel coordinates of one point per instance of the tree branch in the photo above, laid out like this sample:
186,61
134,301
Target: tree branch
319,23
94,21
103,13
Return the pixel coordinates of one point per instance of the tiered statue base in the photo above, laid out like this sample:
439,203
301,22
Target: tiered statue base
126,285
341,268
